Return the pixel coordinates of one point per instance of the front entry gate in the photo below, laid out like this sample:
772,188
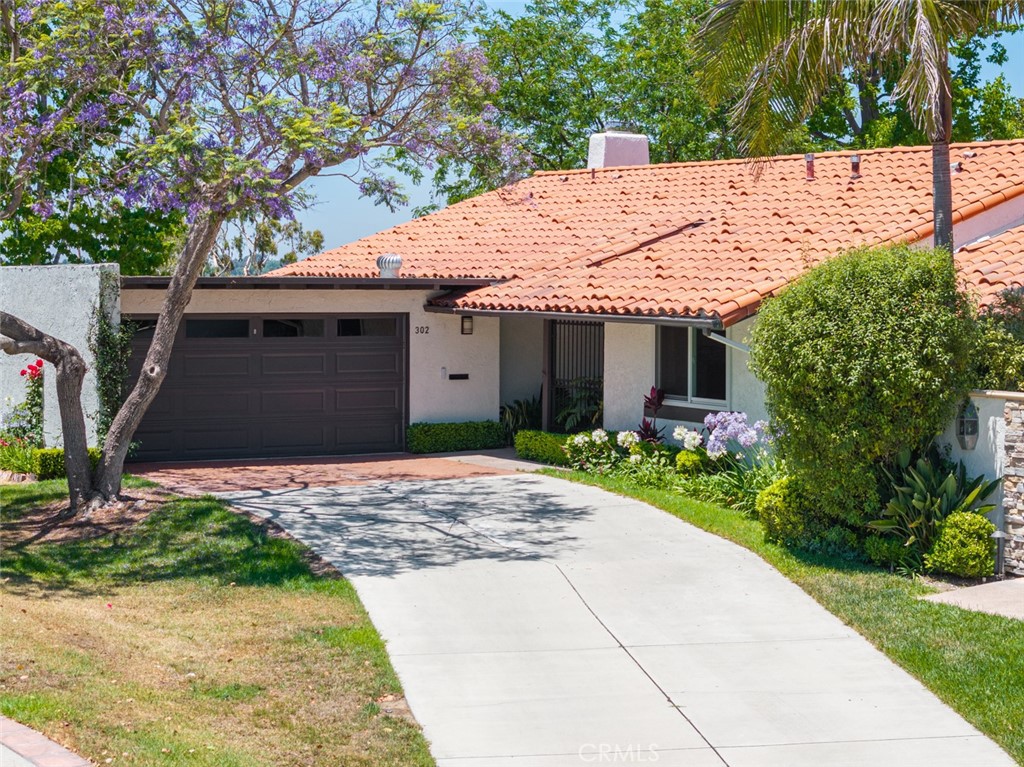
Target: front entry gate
574,375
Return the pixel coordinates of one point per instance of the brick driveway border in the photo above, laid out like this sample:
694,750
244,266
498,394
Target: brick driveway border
297,473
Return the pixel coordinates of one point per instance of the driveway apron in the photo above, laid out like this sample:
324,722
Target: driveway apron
541,623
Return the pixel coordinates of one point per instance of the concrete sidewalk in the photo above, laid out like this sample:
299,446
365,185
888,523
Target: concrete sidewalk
540,623
1004,598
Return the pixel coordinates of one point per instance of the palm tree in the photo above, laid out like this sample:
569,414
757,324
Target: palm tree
784,56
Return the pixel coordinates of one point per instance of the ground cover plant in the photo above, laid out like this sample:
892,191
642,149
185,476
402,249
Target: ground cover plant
176,632
963,657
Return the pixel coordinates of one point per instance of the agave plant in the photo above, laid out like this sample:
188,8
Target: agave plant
929,490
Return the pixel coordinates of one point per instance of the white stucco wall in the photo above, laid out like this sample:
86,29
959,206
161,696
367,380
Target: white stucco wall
522,357
62,301
432,397
989,456
629,372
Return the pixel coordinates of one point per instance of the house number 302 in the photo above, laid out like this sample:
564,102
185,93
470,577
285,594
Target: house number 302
422,330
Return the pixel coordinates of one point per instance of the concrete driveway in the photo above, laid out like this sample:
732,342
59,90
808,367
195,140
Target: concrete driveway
541,623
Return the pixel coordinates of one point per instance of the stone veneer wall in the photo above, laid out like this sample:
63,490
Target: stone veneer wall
1013,486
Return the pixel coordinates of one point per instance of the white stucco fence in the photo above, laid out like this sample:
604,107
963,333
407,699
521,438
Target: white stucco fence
62,301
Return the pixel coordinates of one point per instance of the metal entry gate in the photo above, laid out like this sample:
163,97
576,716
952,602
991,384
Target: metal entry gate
575,367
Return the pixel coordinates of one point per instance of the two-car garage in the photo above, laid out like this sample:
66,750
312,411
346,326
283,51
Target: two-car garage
273,385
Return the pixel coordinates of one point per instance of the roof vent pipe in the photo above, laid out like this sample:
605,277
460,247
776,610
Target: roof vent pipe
809,162
855,166
390,264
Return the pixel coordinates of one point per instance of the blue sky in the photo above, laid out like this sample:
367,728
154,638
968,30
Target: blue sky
343,216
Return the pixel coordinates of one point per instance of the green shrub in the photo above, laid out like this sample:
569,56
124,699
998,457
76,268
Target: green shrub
963,547
689,463
49,462
785,512
867,352
520,414
885,551
542,446
925,492
453,437
1000,357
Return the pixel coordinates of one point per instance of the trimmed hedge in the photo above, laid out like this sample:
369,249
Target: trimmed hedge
542,446
50,462
453,437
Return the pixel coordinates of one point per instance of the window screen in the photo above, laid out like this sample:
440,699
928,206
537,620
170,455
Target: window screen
367,326
673,362
293,328
709,367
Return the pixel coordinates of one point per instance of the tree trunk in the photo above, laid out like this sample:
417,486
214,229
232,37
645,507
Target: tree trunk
22,338
202,235
942,186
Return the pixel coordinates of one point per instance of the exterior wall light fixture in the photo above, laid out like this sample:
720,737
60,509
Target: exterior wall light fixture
967,426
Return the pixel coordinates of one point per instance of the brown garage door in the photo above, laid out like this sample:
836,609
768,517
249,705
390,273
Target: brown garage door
277,386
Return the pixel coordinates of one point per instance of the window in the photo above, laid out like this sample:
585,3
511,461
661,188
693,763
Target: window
367,326
293,328
217,328
691,366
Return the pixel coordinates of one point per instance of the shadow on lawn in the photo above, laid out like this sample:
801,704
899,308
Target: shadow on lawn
184,538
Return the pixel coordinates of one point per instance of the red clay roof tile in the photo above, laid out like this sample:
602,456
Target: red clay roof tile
687,239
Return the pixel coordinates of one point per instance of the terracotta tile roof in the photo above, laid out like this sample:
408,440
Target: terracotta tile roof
992,265
681,240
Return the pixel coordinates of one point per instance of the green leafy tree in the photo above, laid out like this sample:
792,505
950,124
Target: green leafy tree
209,110
253,244
864,355
786,58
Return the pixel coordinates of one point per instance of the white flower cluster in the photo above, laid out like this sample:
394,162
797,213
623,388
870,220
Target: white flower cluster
600,436
627,439
690,440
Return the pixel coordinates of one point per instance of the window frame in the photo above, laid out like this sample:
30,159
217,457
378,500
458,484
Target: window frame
690,399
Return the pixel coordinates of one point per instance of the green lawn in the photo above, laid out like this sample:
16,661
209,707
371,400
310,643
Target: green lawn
972,661
193,638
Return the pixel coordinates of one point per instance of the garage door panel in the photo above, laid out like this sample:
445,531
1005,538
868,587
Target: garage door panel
367,435
367,399
156,444
294,364
218,438
293,401
376,362
254,396
221,402
293,435
214,365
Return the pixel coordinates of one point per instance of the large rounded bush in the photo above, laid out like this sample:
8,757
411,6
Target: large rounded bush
865,354
964,547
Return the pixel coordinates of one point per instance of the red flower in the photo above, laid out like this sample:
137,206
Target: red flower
24,372
39,364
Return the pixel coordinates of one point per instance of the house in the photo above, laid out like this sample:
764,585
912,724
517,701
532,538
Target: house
584,284
604,280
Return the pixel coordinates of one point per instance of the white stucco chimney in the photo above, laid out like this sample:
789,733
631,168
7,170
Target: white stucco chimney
615,148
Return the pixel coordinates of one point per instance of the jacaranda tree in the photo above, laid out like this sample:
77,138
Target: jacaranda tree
211,109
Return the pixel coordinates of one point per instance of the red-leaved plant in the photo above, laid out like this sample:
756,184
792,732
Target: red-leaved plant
648,429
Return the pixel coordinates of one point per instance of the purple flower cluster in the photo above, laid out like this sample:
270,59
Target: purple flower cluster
730,429
198,107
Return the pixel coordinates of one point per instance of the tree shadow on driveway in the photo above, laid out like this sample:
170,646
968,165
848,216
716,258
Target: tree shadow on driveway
388,528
